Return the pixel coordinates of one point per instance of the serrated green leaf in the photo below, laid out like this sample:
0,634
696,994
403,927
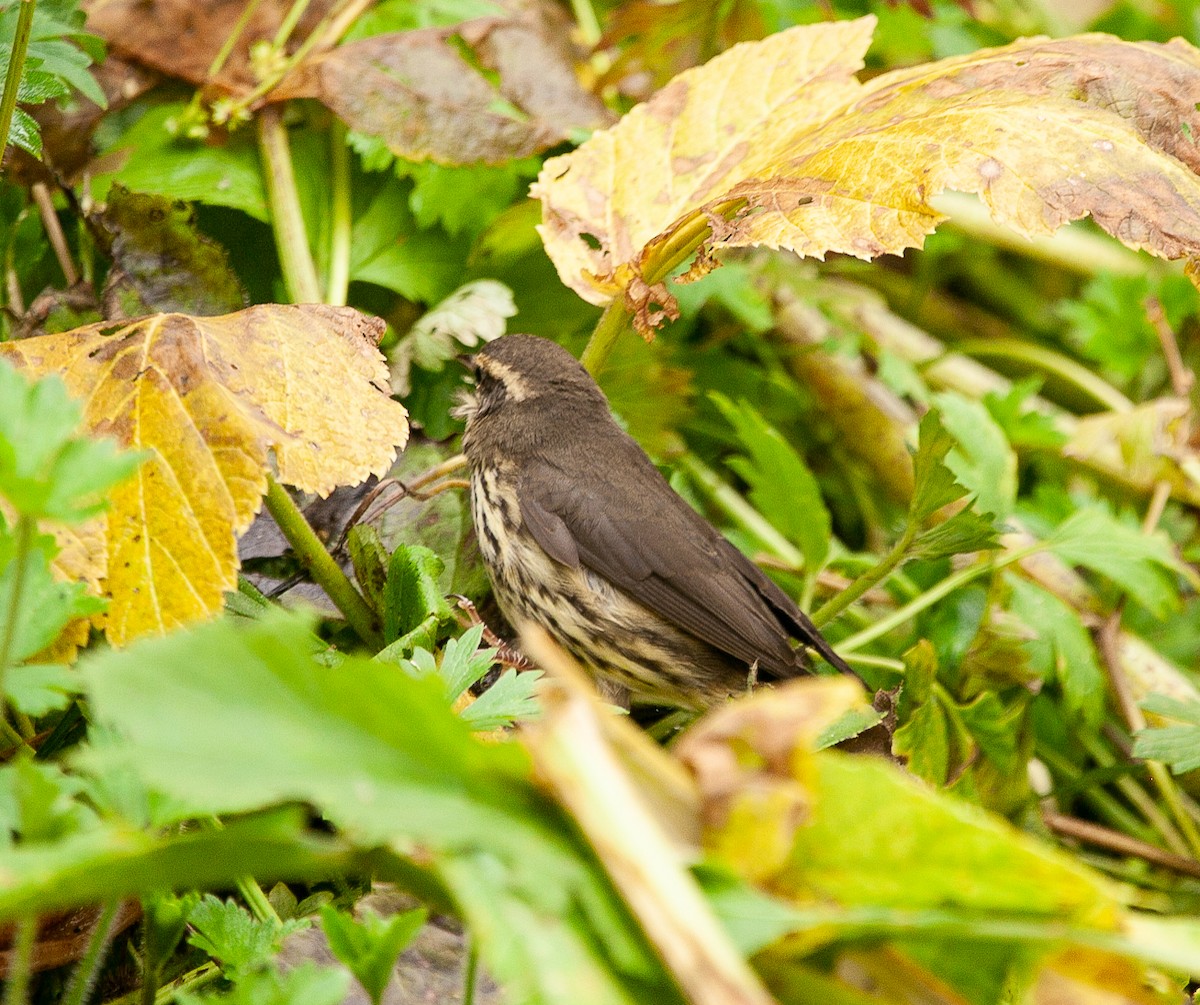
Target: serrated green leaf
964,532
512,698
781,486
47,470
1060,648
933,482
231,934
1141,565
982,460
462,662
1177,746
1024,426
847,726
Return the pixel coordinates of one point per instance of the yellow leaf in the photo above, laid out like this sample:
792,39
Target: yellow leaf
210,398
776,143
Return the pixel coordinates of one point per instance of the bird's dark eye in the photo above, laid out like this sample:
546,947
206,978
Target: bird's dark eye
478,374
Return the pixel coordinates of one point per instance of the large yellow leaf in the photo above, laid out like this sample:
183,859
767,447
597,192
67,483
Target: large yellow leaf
777,143
210,398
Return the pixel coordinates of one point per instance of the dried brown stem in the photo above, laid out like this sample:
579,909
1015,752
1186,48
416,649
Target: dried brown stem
54,231
1122,844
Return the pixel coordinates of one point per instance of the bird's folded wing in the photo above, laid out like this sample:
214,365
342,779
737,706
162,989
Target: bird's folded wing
663,555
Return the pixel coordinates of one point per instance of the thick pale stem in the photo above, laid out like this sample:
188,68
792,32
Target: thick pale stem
287,219
338,285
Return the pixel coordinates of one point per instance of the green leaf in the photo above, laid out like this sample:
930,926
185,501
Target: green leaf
412,595
117,860
982,460
847,726
53,65
389,249
46,468
1141,565
510,699
1060,648
474,313
917,848
965,532
371,946
45,605
463,663
464,199
38,806
40,687
781,486
231,934
1108,324
933,482
1177,746
227,174
306,984
383,757
1024,426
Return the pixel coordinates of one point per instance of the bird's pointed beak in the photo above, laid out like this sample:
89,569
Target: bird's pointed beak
467,360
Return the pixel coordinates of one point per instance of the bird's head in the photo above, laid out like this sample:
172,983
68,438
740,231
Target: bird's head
525,386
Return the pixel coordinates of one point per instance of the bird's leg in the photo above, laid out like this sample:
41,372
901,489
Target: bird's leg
752,678
506,654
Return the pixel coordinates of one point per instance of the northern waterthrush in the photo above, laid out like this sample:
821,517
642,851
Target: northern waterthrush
583,536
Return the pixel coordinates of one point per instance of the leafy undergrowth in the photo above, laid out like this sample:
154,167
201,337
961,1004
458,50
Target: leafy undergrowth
250,260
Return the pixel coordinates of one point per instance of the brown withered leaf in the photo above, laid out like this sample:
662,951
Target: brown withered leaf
161,261
211,399
180,38
776,143
512,93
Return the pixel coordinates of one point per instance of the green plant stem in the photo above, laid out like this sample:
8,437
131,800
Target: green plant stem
23,544
1050,362
256,900
247,886
589,25
881,570
1136,795
9,734
288,25
338,282
1170,793
470,973
226,50
16,64
1101,801
83,980
933,595
325,572
20,961
659,264
608,329
287,218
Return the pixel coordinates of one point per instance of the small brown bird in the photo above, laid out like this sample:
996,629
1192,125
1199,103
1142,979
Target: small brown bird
582,535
